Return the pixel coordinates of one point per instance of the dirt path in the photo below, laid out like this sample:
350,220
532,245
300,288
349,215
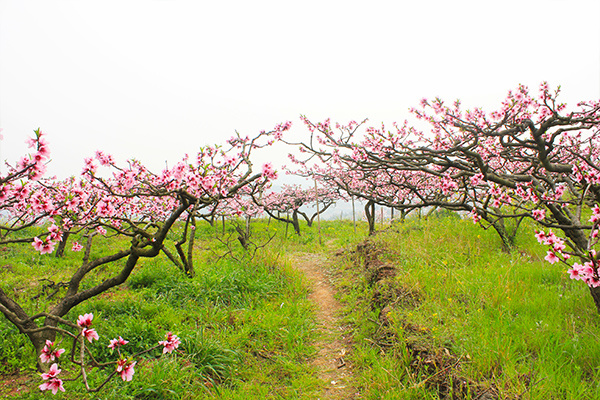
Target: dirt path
332,346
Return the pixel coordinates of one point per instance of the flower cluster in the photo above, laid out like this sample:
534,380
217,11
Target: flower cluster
85,321
125,369
124,365
50,352
171,343
587,272
557,246
53,383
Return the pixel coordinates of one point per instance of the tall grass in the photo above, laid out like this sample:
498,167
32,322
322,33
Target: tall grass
246,326
507,324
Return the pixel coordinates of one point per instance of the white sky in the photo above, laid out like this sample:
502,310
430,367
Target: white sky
156,79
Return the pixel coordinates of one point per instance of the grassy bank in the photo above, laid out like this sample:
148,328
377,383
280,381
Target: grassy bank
440,312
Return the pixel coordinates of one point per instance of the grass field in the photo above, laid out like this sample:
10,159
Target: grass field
435,310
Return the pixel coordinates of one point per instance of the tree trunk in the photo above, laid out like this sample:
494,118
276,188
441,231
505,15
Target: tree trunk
60,250
370,214
508,241
296,222
595,292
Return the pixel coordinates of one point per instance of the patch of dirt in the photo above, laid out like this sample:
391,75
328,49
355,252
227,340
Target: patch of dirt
15,384
431,365
332,344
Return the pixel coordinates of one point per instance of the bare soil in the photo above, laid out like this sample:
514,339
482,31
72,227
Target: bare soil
13,384
332,344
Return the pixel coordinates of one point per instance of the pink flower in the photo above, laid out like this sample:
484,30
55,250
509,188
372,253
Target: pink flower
448,184
85,320
53,384
593,281
114,343
104,159
539,215
171,343
42,246
76,246
541,237
49,353
551,257
574,274
55,233
268,171
475,179
90,334
475,216
559,246
89,166
125,369
595,214
52,372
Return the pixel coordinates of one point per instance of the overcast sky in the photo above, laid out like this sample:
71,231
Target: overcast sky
154,80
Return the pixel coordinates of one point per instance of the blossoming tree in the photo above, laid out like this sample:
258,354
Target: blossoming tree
119,201
530,158
291,198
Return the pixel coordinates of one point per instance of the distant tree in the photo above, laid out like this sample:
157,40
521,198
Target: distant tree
290,200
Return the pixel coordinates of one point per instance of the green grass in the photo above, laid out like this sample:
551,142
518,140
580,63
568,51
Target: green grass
460,317
245,326
510,324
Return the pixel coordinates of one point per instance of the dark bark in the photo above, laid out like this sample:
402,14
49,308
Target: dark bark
294,221
370,214
60,250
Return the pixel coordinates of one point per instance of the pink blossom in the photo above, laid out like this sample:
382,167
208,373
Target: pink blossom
171,343
587,269
115,343
89,166
551,257
55,233
475,216
475,179
90,334
76,246
593,281
595,214
85,320
559,246
54,384
104,159
448,184
268,171
540,236
42,246
49,353
574,274
539,215
52,372
125,369
31,142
